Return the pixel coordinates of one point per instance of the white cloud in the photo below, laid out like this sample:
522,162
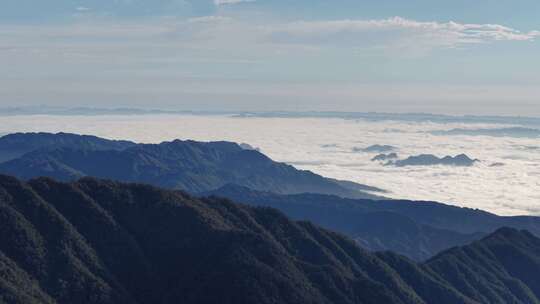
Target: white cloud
394,32
258,37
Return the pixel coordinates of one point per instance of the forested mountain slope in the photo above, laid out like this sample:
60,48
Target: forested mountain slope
95,241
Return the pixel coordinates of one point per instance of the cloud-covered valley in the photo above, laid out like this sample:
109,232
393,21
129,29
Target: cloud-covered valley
333,147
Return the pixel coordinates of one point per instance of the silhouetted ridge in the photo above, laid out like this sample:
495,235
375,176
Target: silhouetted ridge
418,230
17,144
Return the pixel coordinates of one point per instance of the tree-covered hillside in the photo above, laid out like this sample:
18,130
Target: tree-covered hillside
95,241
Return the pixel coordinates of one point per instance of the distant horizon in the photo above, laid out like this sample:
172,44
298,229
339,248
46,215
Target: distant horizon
126,110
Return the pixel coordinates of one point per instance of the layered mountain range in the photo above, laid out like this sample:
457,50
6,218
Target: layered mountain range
416,229
187,165
96,241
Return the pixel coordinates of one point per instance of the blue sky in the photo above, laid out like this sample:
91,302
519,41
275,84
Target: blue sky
457,57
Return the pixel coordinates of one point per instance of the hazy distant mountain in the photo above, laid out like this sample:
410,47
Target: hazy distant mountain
404,117
519,132
187,165
418,230
371,116
385,157
461,160
104,242
17,144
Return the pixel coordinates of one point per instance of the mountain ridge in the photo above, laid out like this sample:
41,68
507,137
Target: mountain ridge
15,145
100,241
189,165
416,229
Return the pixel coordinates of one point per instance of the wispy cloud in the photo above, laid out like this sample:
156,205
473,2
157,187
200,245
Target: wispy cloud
221,32
394,31
104,59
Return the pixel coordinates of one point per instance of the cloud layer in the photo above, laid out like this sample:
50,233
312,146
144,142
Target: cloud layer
326,147
222,32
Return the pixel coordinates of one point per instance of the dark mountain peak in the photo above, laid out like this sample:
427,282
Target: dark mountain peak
502,234
507,231
463,157
15,145
26,135
385,157
187,149
33,139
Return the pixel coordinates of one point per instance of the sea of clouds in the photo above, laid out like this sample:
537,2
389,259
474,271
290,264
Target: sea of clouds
327,146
